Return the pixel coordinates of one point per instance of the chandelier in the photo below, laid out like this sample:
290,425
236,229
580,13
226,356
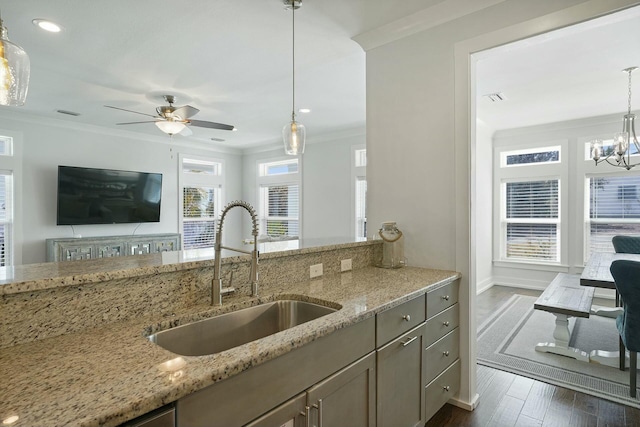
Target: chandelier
293,133
14,71
619,154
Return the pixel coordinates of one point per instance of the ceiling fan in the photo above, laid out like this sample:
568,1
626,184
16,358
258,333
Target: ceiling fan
172,120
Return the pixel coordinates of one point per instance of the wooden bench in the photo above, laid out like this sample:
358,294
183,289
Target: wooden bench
565,298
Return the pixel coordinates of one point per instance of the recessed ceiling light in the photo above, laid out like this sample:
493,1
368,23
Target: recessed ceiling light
304,110
46,25
235,129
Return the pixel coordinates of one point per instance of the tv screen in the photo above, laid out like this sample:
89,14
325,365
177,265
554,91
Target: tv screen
104,196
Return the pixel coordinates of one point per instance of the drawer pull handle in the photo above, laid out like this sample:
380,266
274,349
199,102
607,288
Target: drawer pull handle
307,411
409,341
406,317
445,297
446,388
445,323
445,353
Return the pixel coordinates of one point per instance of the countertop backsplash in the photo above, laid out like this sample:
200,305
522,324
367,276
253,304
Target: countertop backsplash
41,305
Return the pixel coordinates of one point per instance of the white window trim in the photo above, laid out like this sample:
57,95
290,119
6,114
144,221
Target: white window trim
204,180
284,179
531,172
356,173
13,163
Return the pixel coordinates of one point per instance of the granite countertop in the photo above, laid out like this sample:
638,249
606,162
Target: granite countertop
105,376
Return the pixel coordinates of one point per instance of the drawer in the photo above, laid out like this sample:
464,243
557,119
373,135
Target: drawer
441,298
443,323
443,388
398,320
442,353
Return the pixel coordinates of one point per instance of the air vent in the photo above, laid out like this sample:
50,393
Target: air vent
217,139
68,113
496,97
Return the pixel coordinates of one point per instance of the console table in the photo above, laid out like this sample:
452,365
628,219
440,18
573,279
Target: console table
72,249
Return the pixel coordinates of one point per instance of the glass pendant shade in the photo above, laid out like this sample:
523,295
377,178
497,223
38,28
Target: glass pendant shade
294,135
14,71
170,127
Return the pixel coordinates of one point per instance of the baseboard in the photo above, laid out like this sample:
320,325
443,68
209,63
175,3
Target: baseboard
484,285
468,406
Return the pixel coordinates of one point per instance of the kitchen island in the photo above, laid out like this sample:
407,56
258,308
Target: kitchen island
105,374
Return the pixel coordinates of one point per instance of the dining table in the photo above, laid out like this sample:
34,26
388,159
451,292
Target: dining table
596,273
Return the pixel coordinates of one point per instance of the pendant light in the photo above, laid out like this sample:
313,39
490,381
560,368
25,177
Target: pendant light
14,71
293,133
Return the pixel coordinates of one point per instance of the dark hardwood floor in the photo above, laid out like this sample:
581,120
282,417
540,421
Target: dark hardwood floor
508,400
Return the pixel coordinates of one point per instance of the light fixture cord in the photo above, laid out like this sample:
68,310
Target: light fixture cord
293,60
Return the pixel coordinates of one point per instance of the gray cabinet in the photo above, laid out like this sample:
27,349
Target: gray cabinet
74,249
345,398
244,397
292,413
400,374
442,344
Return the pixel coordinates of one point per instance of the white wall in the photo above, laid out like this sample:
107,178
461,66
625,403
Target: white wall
420,132
326,183
484,206
573,135
49,143
45,144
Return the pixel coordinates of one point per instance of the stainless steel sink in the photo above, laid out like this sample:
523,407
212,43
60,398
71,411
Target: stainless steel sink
230,330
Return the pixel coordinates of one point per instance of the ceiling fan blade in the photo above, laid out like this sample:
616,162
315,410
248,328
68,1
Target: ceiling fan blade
211,125
129,111
185,112
135,123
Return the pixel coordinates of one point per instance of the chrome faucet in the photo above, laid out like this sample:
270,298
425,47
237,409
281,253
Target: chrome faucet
216,284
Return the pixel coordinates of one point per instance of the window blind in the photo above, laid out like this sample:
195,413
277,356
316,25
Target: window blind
5,218
614,208
199,216
361,197
532,220
280,208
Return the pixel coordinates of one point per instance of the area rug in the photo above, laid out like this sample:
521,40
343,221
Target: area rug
507,341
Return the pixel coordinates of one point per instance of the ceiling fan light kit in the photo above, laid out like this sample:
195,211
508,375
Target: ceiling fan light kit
174,120
170,127
293,133
619,154
14,71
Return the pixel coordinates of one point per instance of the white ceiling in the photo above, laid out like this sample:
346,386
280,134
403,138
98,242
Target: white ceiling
232,60
567,74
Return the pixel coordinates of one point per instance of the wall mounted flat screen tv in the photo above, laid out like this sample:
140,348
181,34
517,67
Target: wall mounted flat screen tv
104,196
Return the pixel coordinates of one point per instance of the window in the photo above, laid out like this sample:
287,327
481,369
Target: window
280,208
359,177
530,156
613,208
279,199
6,218
528,189
201,201
531,220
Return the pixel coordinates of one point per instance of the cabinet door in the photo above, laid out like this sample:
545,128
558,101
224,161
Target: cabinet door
292,413
401,380
347,398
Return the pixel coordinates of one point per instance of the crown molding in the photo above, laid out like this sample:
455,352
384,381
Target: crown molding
441,13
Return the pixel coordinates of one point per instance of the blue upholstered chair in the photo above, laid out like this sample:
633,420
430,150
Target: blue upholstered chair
627,277
626,244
